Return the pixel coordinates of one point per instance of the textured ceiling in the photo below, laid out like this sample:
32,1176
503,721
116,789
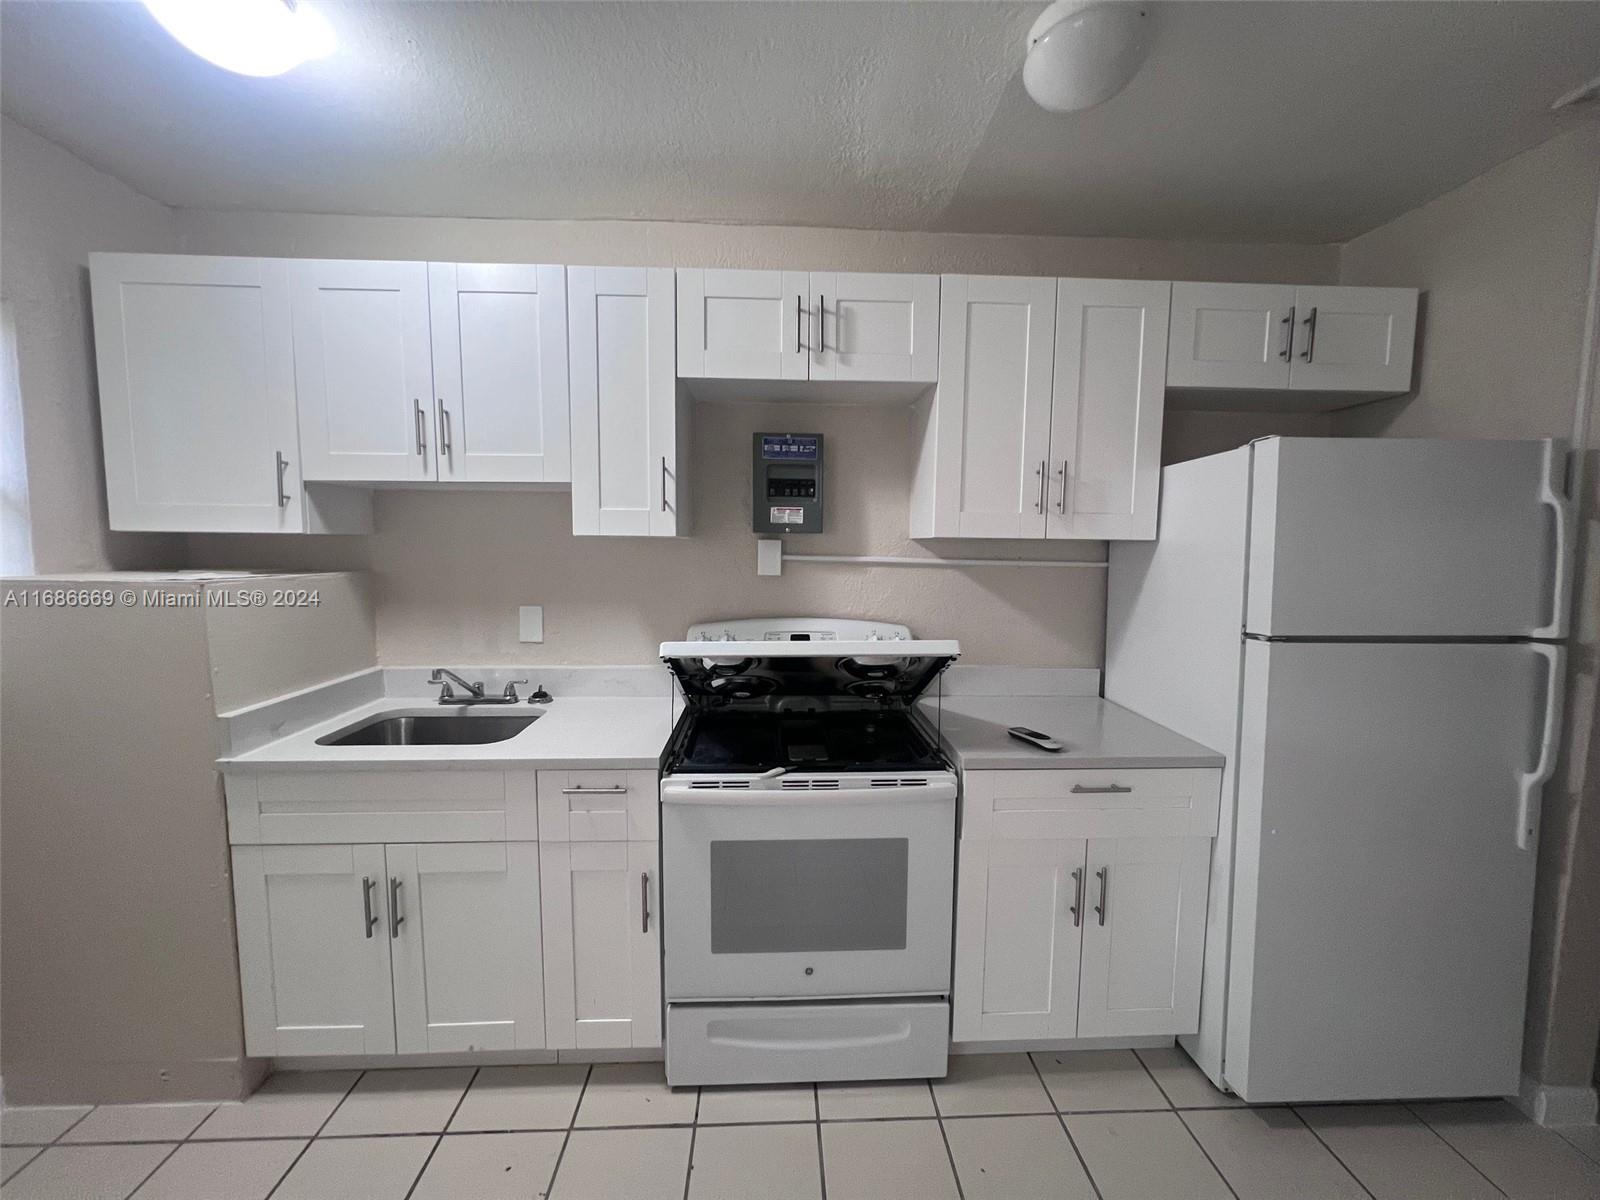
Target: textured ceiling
1305,121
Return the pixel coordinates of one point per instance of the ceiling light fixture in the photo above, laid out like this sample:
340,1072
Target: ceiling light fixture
1083,52
248,37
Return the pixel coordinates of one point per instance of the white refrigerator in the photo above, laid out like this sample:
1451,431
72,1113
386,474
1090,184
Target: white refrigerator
1370,630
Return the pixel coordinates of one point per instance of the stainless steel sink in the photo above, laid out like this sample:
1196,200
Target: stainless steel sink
463,727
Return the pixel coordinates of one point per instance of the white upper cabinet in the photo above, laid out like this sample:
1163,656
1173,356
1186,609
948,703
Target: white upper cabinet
875,328
363,370
500,372
629,424
1107,404
197,399
743,324
990,418
1273,337
791,325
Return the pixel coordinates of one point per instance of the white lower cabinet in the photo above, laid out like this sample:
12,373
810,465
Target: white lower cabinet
368,949
602,944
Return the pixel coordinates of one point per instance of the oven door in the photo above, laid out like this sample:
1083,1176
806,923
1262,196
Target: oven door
843,889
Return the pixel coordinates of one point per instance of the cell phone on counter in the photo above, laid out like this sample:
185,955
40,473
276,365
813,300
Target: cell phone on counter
1034,738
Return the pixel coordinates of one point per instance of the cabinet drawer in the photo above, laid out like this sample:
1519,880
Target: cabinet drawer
598,806
303,807
1163,802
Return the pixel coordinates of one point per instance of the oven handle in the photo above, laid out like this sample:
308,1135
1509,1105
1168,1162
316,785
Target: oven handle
802,797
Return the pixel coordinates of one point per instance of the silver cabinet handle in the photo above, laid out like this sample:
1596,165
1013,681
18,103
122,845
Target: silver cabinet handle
1311,335
620,790
283,496
799,324
1109,789
366,903
1077,897
644,898
663,483
1061,505
1288,335
395,918
422,430
445,446
1104,875
822,324
1039,506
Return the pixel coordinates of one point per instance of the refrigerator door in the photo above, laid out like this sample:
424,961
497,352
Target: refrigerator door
1409,538
1381,903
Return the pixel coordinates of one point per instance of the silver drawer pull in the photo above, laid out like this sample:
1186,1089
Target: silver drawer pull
594,791
1077,897
1104,875
1110,788
644,898
366,902
396,919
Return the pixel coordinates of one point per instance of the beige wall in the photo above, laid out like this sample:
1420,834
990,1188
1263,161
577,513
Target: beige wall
1504,262
452,567
54,210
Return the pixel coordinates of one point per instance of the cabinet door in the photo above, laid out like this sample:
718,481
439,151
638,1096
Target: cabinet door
313,927
1143,936
500,372
197,410
743,324
628,424
1230,335
1351,339
992,409
602,947
1019,914
876,328
466,935
1107,401
363,370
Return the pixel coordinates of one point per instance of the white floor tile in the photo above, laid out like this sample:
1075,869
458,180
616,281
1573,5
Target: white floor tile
1097,1080
1395,1155
990,1085
138,1123
412,1101
623,1164
521,1098
84,1173
774,1162
38,1126
1144,1156
1269,1154
736,1105
14,1158
886,1160
856,1101
373,1168
1184,1083
1585,1138
1016,1158
289,1104
1522,1159
222,1171
634,1094
490,1166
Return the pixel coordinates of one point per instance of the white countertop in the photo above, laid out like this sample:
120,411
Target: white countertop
573,732
1098,734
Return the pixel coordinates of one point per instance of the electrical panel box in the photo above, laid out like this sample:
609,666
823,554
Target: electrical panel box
786,482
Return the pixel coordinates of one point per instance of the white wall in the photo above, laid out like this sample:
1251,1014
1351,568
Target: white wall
1504,263
54,210
451,568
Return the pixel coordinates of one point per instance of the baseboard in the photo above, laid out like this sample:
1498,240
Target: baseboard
1143,1042
468,1058
1548,1104
163,1082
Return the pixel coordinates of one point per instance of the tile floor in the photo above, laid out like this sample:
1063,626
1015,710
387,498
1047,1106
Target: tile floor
1106,1125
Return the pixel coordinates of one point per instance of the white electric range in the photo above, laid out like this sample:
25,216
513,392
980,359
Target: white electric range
808,823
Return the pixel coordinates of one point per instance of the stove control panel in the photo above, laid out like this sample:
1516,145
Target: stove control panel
798,629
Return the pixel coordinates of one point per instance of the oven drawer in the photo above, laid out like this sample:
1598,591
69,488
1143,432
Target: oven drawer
598,806
803,1043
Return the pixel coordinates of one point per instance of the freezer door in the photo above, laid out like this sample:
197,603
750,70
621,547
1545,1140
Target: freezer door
1399,537
1382,906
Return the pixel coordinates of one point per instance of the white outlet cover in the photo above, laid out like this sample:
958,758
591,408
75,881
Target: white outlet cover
530,623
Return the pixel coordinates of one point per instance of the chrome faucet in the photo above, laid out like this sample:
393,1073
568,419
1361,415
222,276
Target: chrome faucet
475,692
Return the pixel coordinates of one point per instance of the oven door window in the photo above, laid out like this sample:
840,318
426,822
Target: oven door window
803,896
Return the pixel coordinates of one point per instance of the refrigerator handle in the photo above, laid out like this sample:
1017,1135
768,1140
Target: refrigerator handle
1529,783
1555,461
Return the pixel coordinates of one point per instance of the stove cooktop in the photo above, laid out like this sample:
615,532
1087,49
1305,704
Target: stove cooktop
840,740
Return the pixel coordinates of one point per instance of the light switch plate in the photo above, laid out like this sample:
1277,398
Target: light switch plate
530,623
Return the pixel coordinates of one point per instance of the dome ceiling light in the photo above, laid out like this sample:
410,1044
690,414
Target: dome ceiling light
1083,52
247,37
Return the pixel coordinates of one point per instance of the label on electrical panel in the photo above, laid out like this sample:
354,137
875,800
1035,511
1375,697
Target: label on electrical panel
789,449
786,516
